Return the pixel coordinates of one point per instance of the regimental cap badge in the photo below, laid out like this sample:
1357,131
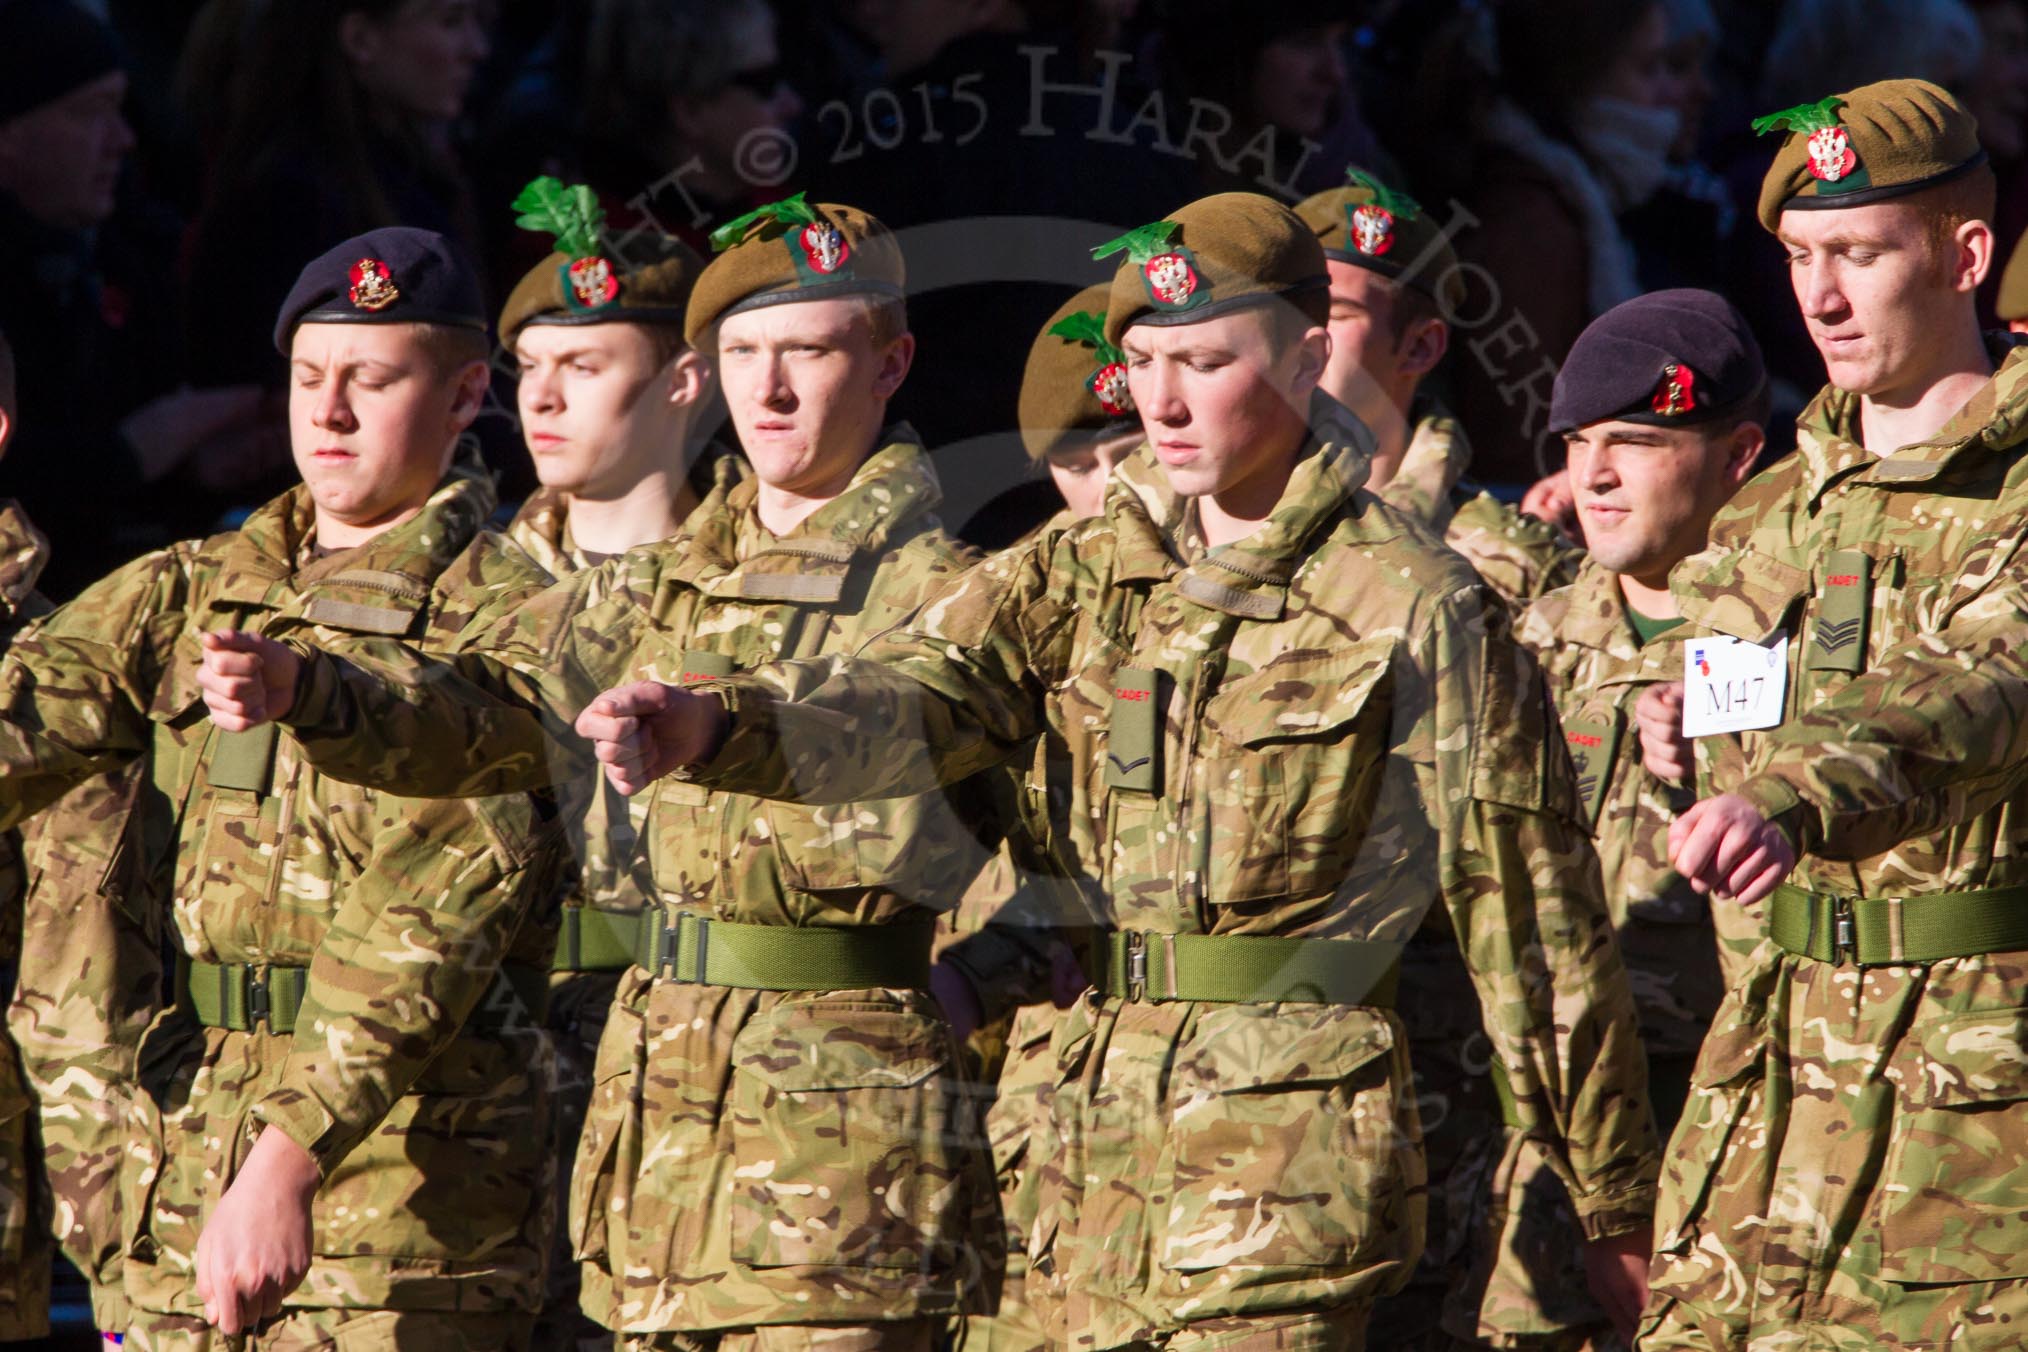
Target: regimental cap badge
1109,382
373,287
1676,392
818,245
1370,225
1832,158
572,213
1169,270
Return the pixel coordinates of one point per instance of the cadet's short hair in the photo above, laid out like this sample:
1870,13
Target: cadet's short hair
1947,206
452,347
7,389
665,342
1408,306
886,318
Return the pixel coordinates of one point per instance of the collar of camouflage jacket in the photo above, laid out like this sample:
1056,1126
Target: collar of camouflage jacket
1595,615
893,491
1993,419
1432,468
23,552
377,587
542,527
1250,577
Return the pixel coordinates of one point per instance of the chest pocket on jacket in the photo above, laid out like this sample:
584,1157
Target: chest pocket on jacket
235,819
1293,756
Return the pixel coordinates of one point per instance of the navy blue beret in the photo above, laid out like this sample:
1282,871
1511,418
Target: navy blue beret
399,275
1667,359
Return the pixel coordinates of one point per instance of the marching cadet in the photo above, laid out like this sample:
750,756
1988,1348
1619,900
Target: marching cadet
1289,721
86,979
778,1154
24,1204
610,395
1076,413
1661,404
1849,1172
338,1134
1394,279
1013,948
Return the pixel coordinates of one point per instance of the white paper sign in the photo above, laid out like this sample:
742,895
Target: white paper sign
1731,686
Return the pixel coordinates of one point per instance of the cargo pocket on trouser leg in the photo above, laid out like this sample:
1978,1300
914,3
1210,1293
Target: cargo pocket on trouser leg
846,1152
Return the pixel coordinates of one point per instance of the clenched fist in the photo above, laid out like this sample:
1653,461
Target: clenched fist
247,680
1725,848
643,731
1658,717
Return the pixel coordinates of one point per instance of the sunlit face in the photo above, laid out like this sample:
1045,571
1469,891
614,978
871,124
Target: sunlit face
593,401
1873,291
807,388
62,160
421,58
1223,405
373,419
1081,465
1646,495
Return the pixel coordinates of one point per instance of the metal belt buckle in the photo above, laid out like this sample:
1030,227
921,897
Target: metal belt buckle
1844,932
258,1003
1137,965
670,947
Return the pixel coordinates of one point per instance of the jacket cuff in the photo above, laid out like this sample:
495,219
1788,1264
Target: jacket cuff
1777,801
308,1123
316,690
1616,1213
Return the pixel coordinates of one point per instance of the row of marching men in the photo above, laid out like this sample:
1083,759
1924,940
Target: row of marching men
1292,804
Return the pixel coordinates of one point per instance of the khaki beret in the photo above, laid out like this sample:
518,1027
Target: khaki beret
1369,225
792,251
1873,144
589,281
1216,255
1075,381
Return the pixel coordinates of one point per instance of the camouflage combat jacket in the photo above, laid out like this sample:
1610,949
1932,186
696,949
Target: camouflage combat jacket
609,873
1899,765
429,1137
24,1194
712,1189
1519,557
1344,732
1680,966
87,979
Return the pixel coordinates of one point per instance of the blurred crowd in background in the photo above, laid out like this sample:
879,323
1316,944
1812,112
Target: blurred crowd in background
1586,151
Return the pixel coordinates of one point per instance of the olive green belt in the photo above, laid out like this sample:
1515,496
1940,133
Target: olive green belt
1876,930
591,940
695,948
1249,969
239,995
